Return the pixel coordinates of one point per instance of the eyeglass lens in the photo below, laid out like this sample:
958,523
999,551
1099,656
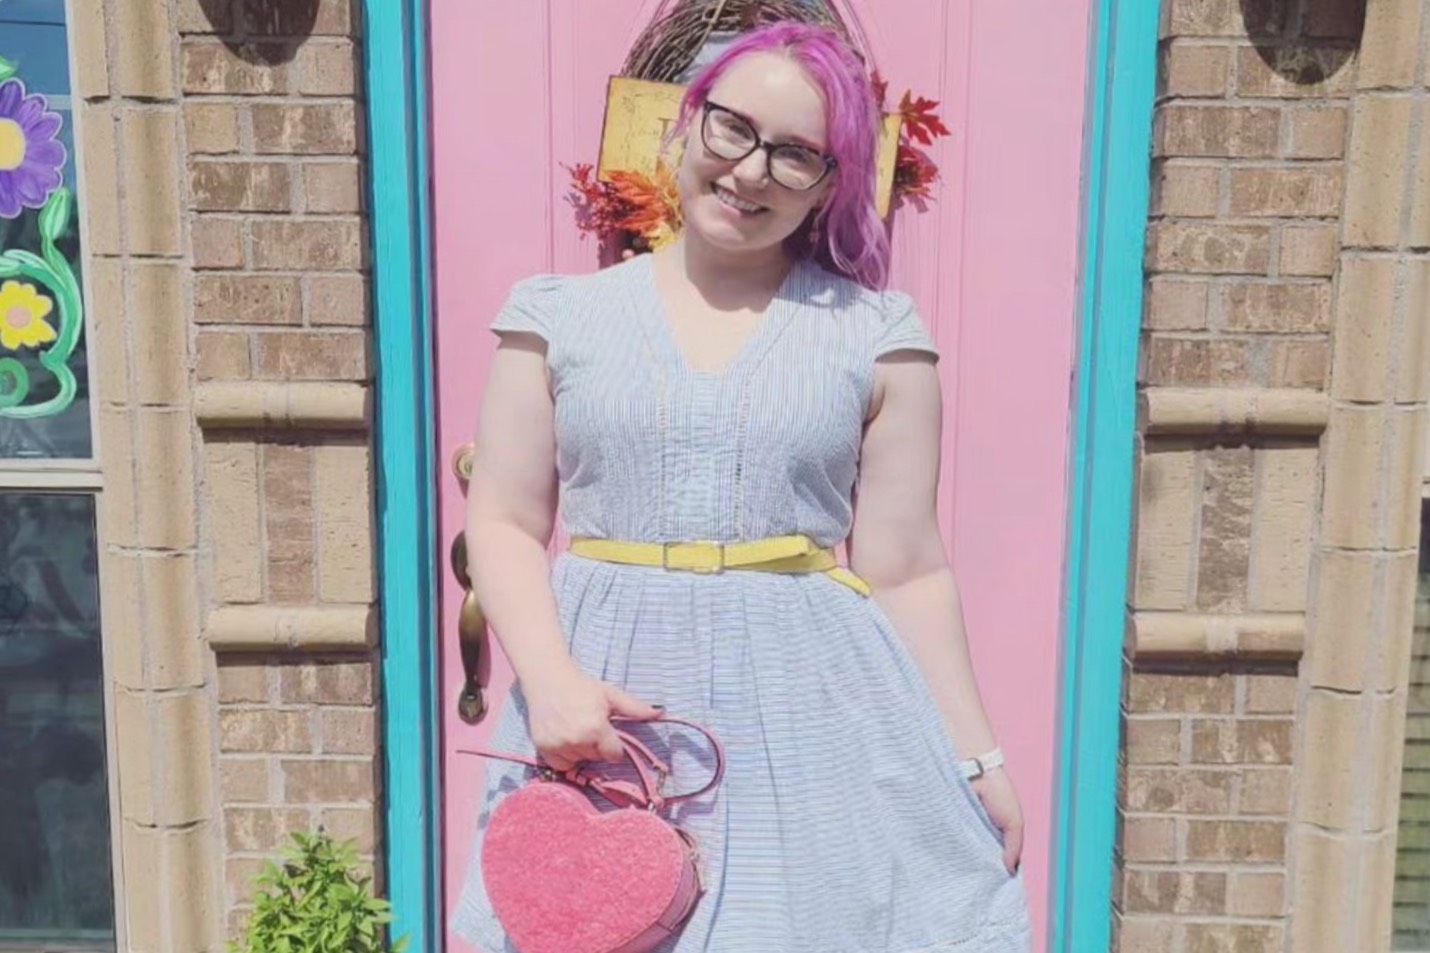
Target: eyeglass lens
731,138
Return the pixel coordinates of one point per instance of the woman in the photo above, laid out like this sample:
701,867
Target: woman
734,387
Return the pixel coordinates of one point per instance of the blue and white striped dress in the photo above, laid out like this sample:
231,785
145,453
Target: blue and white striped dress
843,824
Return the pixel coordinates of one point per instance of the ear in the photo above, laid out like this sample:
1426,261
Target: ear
826,192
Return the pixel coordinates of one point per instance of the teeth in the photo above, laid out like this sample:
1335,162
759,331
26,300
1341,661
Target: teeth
730,199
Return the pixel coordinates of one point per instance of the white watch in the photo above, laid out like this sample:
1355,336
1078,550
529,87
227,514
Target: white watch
975,768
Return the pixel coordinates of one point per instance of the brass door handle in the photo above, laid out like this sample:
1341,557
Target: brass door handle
462,462
471,623
471,639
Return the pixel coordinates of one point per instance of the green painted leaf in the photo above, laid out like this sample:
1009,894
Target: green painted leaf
55,216
9,267
14,382
7,69
28,259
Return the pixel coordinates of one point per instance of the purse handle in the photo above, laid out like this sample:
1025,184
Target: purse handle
651,770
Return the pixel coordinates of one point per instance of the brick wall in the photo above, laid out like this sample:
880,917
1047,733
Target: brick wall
272,146
1248,186
297,739
223,189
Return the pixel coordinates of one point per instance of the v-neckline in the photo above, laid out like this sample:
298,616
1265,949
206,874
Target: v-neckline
776,315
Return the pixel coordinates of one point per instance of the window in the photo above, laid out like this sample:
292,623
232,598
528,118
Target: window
55,867
1412,860
44,391
54,840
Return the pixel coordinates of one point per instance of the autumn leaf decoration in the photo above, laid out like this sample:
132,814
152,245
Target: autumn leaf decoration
654,204
914,171
644,207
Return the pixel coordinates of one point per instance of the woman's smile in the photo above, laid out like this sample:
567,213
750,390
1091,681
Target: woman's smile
732,201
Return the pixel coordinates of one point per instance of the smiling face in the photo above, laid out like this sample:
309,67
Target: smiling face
734,205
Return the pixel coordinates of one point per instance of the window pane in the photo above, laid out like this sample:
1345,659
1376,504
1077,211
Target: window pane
44,387
54,806
1412,861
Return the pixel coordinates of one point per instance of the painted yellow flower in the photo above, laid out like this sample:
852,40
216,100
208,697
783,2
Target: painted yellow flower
22,317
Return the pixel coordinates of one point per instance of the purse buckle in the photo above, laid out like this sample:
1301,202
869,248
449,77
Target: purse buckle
657,802
697,549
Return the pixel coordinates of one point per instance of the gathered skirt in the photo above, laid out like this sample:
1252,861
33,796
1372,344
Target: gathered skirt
842,825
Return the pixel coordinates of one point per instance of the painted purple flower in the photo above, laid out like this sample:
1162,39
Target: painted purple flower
30,156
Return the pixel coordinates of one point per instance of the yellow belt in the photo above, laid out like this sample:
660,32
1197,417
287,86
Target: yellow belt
791,554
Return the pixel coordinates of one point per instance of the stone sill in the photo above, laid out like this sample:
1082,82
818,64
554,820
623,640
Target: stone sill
229,405
288,628
1258,410
1271,636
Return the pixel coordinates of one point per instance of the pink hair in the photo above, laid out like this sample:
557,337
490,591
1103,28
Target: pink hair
852,240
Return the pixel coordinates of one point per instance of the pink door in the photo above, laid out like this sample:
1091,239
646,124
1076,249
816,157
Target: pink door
518,93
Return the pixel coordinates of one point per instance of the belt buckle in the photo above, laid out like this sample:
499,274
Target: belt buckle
719,548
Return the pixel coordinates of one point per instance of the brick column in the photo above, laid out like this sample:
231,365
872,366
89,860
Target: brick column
273,154
1352,706
127,113
1247,191
226,271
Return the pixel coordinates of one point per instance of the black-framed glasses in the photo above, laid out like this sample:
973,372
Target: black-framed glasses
729,135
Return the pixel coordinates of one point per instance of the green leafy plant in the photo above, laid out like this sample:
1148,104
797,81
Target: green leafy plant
316,902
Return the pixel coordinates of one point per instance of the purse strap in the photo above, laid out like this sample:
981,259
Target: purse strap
651,770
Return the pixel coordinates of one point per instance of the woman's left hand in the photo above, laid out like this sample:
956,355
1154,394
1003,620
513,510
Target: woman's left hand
995,790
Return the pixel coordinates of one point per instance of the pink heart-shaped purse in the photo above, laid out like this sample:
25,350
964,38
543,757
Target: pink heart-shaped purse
566,877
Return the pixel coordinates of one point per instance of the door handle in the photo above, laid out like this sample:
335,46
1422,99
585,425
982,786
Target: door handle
471,622
462,462
471,638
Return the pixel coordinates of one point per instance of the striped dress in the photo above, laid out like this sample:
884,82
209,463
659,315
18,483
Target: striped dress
843,824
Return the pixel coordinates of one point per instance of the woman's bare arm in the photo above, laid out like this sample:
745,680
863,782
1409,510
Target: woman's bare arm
897,547
511,512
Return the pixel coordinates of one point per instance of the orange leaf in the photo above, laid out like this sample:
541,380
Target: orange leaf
653,202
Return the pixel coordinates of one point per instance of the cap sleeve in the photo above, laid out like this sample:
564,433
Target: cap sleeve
901,327
531,306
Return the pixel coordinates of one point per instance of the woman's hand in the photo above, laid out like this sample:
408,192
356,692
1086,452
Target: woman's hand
569,717
995,790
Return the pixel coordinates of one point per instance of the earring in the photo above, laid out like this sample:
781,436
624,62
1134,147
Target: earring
815,231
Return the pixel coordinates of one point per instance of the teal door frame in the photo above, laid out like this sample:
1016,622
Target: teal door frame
1121,88
1122,82
395,60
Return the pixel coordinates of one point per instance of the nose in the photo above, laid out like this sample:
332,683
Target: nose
752,170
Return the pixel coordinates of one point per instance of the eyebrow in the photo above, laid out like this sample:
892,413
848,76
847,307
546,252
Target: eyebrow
796,141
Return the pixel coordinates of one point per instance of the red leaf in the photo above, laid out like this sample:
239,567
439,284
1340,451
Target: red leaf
921,123
914,173
881,89
598,206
